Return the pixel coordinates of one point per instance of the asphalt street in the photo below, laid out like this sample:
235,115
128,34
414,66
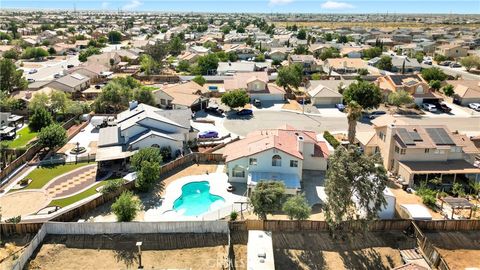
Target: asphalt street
275,119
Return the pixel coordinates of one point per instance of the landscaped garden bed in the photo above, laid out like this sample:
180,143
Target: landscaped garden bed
42,175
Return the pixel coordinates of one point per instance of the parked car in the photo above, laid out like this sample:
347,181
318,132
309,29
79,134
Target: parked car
30,80
245,112
208,134
427,62
257,102
340,107
445,63
214,110
70,66
375,114
32,71
443,107
475,106
429,107
57,75
455,65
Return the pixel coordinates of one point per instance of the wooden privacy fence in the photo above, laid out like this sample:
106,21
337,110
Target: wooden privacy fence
429,250
94,228
20,228
309,225
448,225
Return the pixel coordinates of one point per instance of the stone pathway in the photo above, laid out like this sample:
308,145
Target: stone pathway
72,182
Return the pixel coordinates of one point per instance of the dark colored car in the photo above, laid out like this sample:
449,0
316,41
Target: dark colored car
245,112
445,63
375,114
208,134
443,107
214,111
70,66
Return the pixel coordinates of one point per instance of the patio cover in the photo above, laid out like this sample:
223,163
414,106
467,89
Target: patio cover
291,181
112,153
457,202
444,167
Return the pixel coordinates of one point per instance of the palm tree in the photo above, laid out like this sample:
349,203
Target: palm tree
354,112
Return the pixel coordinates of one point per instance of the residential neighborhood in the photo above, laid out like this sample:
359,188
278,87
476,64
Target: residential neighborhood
138,137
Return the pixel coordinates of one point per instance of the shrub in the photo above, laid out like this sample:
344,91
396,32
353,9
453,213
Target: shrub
112,185
125,207
233,216
296,207
429,200
330,139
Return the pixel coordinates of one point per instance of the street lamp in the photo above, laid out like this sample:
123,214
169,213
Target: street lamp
139,246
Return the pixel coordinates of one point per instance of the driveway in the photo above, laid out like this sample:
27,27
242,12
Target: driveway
49,68
311,180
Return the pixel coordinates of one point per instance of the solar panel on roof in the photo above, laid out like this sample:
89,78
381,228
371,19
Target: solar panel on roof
415,136
405,136
439,136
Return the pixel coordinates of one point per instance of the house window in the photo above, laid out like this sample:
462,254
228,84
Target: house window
427,150
163,101
294,163
397,150
382,136
253,161
276,161
402,151
238,171
455,149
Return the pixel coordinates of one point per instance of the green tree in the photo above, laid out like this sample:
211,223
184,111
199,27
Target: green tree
144,95
328,53
260,58
52,136
83,55
148,65
296,207
40,118
126,207
342,39
40,100
116,95
157,51
354,112
267,198
207,64
448,90
372,52
236,98
150,154
52,51
11,78
32,52
362,72
385,63
114,37
470,61
176,46
352,174
148,174
399,98
434,73
290,76
59,101
435,84
302,34
183,66
199,79
366,94
11,54
328,36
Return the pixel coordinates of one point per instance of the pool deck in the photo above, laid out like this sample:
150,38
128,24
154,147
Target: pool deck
218,186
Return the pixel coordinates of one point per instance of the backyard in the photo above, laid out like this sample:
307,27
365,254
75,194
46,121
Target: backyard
42,175
77,197
24,136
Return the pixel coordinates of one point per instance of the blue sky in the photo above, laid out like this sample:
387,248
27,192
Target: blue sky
264,6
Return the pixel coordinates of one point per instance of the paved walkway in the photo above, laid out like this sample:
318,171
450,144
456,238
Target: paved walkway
72,182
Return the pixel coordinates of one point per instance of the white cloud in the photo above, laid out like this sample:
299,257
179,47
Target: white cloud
133,4
279,2
105,5
336,5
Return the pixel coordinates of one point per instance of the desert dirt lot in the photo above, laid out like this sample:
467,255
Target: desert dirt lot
461,250
159,251
320,251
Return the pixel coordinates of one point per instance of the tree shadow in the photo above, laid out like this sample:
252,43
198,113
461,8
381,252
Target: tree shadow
127,256
363,259
152,199
306,259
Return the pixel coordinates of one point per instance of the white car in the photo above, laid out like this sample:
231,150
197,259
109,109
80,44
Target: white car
429,107
475,106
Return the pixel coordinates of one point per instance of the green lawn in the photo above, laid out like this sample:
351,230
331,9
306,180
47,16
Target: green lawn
42,175
77,197
24,136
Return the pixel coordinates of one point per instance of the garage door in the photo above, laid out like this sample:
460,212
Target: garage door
327,101
267,97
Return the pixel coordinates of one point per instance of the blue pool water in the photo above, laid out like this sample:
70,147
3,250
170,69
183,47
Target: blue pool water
196,199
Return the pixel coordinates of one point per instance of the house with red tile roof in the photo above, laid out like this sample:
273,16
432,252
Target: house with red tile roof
257,86
275,155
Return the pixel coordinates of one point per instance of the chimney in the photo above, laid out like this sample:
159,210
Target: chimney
300,141
132,104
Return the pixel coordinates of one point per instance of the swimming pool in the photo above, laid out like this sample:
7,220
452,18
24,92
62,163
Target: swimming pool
196,199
